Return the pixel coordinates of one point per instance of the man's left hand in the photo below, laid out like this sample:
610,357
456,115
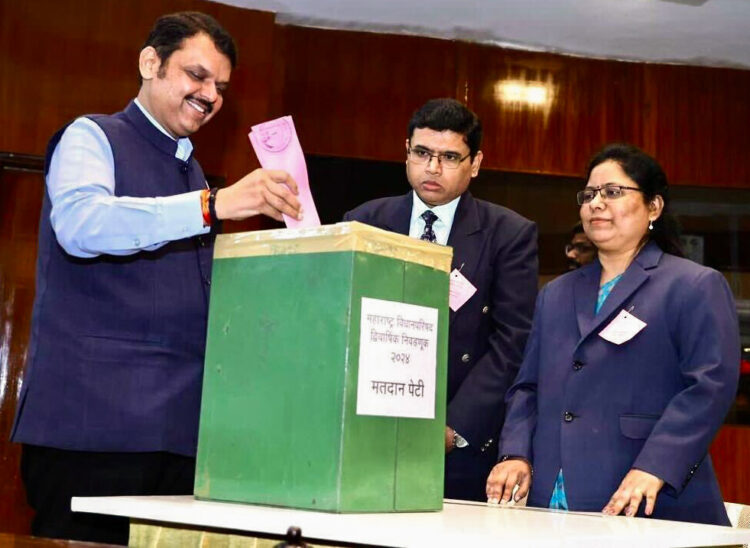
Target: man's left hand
636,486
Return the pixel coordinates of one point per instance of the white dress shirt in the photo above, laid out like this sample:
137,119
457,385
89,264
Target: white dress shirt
443,224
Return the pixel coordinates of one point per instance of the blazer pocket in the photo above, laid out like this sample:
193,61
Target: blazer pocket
637,427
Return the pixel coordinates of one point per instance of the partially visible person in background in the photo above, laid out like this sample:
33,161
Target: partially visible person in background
580,251
631,365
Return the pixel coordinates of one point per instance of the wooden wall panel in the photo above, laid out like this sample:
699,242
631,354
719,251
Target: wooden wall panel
700,124
729,452
352,93
80,56
591,103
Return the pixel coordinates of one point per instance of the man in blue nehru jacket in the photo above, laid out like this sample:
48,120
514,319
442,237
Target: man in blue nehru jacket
111,397
496,250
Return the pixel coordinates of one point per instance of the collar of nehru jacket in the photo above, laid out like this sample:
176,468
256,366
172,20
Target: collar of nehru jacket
151,130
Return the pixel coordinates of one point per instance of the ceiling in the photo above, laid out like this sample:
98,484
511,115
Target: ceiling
695,32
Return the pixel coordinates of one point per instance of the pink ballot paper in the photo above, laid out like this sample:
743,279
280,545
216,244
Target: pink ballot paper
277,147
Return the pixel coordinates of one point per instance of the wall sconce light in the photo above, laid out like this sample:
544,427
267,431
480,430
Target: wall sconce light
524,95
537,94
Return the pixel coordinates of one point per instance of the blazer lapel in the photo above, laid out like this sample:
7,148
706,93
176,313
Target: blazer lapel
585,291
397,219
633,278
466,239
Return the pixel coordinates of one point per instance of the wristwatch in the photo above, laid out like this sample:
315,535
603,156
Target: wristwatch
459,442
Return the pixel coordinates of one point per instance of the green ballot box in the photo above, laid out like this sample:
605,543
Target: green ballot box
325,375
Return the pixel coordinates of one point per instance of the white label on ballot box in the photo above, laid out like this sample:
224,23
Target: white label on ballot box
397,359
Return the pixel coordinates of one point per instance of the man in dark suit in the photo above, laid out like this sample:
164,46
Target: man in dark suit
495,249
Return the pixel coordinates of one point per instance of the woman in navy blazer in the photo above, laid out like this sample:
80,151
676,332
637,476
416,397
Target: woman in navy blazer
630,368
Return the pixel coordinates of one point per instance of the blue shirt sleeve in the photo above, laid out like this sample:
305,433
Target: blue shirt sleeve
89,220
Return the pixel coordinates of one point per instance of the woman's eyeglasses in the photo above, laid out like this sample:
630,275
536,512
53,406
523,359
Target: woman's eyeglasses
608,192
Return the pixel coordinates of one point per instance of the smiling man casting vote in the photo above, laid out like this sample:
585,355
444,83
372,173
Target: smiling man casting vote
111,396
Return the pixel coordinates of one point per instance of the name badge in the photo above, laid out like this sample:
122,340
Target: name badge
624,327
460,290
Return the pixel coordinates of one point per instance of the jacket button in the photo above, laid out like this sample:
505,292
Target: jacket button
208,282
568,416
485,309
201,241
577,365
465,358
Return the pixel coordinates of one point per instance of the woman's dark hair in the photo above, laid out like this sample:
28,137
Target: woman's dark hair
170,30
646,171
448,114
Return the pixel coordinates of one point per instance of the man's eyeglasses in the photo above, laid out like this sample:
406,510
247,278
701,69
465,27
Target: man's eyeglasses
449,160
608,192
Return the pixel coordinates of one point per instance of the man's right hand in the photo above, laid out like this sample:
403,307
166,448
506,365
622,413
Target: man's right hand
263,191
505,476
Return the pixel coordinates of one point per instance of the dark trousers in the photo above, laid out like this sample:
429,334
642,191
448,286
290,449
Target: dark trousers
53,476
